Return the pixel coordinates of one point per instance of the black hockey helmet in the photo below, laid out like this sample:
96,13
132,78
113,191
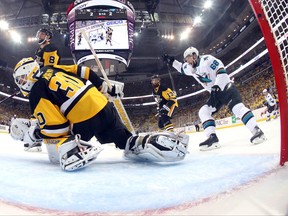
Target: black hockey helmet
155,76
48,34
155,80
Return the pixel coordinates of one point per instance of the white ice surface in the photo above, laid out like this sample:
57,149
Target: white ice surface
237,179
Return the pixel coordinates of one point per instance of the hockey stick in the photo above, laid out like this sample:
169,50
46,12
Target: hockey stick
11,96
117,102
171,78
96,59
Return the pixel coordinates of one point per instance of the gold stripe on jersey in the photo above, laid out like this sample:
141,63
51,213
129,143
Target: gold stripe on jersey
171,110
68,68
84,72
169,127
50,58
49,115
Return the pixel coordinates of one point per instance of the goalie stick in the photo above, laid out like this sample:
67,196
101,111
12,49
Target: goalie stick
11,96
116,101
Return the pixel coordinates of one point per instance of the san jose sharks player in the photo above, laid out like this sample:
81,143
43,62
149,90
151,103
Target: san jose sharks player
210,72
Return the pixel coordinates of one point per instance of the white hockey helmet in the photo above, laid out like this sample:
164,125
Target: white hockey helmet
265,91
26,73
190,51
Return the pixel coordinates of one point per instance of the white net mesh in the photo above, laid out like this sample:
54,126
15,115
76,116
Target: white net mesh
276,12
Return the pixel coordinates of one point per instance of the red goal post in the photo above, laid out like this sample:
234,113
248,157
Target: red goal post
272,16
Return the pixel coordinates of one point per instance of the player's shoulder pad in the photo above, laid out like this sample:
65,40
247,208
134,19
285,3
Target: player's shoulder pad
44,71
45,68
50,48
163,87
207,57
187,69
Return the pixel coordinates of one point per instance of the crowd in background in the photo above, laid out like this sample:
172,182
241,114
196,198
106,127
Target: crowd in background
250,84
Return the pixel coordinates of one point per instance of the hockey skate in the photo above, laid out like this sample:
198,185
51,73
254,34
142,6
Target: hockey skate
258,136
211,143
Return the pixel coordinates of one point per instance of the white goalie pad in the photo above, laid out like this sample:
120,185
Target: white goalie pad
75,154
159,147
18,128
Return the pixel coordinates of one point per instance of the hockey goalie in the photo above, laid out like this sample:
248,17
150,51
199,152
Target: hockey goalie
70,107
72,153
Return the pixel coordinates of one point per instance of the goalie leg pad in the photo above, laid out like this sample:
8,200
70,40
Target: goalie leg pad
75,154
158,147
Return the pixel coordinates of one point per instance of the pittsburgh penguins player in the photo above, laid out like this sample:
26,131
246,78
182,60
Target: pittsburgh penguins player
166,102
212,75
47,53
109,33
70,110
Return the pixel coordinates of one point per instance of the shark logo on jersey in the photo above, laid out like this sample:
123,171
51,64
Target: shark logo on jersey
204,79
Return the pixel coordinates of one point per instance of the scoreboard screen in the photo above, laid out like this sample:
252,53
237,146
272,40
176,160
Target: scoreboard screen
103,35
109,25
99,14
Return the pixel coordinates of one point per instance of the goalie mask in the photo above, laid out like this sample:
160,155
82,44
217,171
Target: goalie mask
43,35
191,56
26,73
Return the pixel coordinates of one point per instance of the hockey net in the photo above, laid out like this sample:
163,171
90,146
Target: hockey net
272,16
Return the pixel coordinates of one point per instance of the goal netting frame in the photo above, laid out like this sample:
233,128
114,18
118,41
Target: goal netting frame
272,16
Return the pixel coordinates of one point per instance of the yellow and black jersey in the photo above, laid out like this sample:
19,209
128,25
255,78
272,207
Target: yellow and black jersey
83,72
60,99
47,55
164,95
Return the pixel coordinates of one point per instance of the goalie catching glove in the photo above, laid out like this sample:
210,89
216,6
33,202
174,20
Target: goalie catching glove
115,91
157,147
25,130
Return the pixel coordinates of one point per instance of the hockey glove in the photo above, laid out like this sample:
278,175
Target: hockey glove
215,91
168,59
32,136
116,90
164,110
